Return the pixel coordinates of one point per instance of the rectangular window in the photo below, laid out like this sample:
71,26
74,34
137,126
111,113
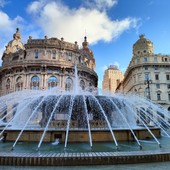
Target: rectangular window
139,77
36,54
158,96
156,76
167,77
145,59
156,67
54,54
168,86
138,60
69,58
169,96
146,67
155,59
146,76
158,86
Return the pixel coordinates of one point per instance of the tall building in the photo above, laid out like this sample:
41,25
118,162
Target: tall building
148,74
46,63
112,77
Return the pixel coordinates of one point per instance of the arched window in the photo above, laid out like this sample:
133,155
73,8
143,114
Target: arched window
8,85
158,96
69,84
90,87
35,81
52,82
82,84
19,84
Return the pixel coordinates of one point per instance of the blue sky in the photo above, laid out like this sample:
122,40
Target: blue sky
111,26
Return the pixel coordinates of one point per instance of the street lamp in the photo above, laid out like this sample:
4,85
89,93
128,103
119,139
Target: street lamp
148,82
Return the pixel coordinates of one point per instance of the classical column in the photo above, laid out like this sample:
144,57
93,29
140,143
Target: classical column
45,81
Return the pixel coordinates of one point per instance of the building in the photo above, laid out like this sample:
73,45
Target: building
148,74
44,64
112,77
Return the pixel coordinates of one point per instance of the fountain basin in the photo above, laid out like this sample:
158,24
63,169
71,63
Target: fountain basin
80,135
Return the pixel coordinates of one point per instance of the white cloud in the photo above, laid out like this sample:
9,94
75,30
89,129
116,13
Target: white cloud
58,20
100,4
8,24
2,3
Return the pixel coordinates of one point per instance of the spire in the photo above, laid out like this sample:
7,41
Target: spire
85,43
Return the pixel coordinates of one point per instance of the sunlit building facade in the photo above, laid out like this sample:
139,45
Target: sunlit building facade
148,74
42,64
112,77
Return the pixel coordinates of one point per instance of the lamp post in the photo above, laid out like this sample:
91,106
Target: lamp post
148,82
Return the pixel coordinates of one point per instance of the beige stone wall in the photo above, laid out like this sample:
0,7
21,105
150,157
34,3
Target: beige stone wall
82,136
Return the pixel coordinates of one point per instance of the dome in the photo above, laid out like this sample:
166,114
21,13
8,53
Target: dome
86,54
143,46
15,44
86,51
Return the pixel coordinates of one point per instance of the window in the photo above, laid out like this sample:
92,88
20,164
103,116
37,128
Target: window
146,76
138,60
158,96
36,54
54,55
145,59
8,84
167,77
158,86
156,76
90,87
156,67
168,86
146,67
155,59
82,84
166,59
69,58
68,84
52,82
169,96
19,84
35,83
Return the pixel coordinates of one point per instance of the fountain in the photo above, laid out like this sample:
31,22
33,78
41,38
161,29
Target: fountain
56,117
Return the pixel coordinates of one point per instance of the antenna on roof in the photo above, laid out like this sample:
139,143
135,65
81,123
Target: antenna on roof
85,33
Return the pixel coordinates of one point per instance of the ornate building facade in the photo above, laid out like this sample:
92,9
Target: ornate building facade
148,74
112,77
44,64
